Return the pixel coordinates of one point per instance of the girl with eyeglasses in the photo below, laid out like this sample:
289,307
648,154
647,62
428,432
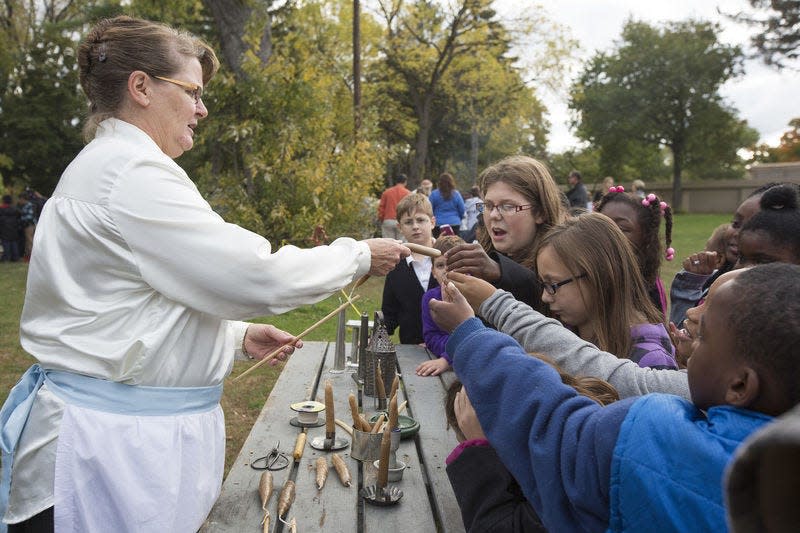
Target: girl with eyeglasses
591,281
521,201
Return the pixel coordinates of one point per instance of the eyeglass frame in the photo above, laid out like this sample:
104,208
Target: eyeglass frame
503,209
552,288
193,87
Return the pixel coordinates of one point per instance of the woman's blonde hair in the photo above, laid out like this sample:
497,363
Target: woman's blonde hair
593,245
115,47
532,180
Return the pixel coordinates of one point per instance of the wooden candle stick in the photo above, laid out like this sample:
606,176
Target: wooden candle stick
424,250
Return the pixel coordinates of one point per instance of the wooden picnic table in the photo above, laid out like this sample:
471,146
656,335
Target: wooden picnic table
428,503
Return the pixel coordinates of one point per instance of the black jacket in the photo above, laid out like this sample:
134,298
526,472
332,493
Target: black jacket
402,302
520,281
488,495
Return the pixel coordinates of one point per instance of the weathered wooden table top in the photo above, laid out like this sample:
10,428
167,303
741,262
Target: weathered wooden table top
428,503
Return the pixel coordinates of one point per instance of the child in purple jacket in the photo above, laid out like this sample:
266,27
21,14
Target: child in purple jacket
434,337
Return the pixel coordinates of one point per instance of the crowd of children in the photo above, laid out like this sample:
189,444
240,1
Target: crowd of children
552,451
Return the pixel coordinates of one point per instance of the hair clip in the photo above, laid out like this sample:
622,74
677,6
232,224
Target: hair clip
670,253
619,188
101,52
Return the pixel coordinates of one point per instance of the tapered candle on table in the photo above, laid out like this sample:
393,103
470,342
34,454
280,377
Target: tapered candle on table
393,413
330,423
383,464
379,386
395,385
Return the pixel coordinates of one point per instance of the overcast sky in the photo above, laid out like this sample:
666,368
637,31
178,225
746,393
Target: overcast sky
767,98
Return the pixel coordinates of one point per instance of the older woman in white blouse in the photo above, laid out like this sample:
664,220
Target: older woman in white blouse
134,294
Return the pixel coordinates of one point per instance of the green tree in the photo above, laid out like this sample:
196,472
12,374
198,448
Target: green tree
787,151
277,153
40,104
661,87
778,24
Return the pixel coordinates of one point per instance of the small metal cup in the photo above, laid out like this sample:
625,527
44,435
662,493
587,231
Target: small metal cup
367,446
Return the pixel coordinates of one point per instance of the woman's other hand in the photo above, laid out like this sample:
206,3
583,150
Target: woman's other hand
451,310
472,259
475,290
260,340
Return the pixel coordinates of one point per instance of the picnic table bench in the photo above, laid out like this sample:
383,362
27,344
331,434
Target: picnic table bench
428,502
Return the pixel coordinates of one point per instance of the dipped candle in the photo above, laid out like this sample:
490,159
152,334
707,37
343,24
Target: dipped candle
379,385
392,413
383,465
330,424
395,385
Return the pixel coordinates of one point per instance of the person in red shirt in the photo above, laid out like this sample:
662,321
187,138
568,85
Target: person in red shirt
387,208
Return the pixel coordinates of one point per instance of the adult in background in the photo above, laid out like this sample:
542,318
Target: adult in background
605,185
387,208
9,229
133,301
471,213
425,187
27,224
448,205
577,194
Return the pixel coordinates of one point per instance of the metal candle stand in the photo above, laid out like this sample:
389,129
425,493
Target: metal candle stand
389,495
380,352
330,442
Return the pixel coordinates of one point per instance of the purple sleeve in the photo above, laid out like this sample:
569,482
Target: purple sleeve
435,338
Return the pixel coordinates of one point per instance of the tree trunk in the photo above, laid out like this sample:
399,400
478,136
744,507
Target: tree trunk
423,134
233,18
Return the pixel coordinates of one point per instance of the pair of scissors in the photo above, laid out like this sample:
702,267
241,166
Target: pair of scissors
274,460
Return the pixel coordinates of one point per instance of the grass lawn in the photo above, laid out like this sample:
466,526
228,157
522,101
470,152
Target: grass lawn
242,403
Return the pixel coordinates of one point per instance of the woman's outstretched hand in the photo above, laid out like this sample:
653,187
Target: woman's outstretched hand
451,310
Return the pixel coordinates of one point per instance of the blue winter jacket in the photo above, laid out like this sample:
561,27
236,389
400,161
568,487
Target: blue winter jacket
584,467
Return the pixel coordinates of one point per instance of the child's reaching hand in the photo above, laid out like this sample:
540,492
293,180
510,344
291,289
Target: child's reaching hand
452,310
433,367
475,290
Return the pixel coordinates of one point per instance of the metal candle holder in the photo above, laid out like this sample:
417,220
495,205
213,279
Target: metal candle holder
389,495
380,351
329,443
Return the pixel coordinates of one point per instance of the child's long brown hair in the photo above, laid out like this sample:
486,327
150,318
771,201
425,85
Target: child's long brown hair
593,245
532,180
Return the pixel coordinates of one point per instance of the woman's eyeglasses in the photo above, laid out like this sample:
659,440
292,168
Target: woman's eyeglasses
192,89
503,209
552,288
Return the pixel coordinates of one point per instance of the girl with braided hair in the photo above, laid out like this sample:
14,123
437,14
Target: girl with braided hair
640,221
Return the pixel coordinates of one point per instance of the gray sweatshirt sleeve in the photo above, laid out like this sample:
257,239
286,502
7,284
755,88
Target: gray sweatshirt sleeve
537,333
